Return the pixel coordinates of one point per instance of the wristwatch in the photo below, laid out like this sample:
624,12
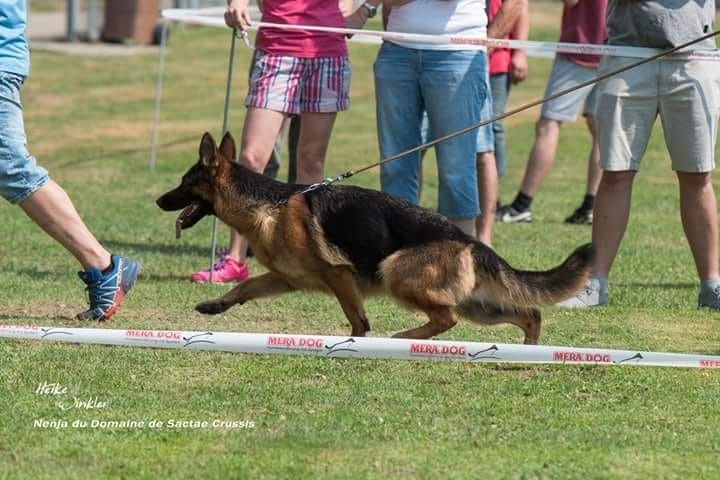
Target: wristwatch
372,9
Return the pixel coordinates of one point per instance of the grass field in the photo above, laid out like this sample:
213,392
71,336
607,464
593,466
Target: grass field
88,120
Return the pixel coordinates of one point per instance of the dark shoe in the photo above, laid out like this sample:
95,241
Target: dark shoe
508,214
107,289
580,217
709,298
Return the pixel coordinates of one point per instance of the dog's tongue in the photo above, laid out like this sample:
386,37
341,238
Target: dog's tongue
187,212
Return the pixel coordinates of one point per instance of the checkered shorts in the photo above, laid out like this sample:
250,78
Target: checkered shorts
297,85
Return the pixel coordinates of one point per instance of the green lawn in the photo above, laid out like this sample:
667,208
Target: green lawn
88,120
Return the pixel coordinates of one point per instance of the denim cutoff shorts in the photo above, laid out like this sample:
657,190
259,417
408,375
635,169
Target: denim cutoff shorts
20,175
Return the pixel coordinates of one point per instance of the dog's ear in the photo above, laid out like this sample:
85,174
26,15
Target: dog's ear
208,151
227,147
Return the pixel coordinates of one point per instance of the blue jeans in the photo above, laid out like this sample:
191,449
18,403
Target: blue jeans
20,175
500,88
450,86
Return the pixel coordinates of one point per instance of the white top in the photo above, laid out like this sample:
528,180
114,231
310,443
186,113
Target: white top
440,17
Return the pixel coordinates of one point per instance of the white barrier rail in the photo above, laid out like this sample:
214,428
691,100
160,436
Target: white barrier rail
358,347
208,17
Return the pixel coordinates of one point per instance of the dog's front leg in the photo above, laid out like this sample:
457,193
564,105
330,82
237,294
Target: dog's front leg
264,285
341,281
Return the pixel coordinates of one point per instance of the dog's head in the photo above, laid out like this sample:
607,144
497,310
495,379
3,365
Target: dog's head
197,189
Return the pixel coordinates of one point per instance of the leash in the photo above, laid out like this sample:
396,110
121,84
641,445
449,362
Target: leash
349,173
231,62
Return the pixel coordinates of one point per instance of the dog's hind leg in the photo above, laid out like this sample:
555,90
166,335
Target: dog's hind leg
264,285
441,319
341,281
433,279
486,313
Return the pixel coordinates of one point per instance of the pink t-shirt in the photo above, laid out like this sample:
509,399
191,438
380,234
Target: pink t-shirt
500,57
584,23
302,43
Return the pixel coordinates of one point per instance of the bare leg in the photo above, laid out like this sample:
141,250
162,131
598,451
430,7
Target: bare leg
594,172
467,225
542,155
51,208
315,129
260,131
698,209
612,211
237,249
487,179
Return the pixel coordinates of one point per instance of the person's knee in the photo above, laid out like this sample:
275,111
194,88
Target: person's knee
311,171
252,160
311,162
694,179
545,127
617,180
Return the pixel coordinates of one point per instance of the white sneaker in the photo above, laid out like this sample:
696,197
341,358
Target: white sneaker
591,295
508,214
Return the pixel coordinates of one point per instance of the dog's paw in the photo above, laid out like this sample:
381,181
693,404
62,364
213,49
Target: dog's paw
211,307
357,333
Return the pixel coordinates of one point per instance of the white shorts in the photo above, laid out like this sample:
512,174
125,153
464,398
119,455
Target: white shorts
686,95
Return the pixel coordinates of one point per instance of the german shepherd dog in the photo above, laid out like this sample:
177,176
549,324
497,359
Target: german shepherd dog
354,242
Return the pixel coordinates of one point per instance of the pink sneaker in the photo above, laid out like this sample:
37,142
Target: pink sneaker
226,270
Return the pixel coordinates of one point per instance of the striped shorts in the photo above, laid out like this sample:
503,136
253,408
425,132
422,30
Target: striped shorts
296,85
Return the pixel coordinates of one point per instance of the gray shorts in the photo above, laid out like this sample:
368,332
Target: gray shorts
686,94
565,108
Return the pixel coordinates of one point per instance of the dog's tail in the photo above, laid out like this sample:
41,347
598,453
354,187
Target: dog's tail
536,288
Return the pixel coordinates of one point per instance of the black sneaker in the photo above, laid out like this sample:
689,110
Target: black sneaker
508,214
709,298
580,217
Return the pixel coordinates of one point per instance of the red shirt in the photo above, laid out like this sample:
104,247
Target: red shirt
302,43
584,23
500,57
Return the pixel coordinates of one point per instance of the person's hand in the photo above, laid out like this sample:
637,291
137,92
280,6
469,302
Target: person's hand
357,19
237,14
518,66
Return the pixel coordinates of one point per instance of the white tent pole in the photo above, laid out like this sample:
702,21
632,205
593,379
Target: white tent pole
158,95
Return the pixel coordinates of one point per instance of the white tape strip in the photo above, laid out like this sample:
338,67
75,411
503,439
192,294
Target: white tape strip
534,48
356,347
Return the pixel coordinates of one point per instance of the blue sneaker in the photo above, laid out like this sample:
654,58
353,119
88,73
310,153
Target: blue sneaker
107,289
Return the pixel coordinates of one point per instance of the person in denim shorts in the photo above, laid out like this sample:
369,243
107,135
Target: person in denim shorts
296,72
449,82
23,182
